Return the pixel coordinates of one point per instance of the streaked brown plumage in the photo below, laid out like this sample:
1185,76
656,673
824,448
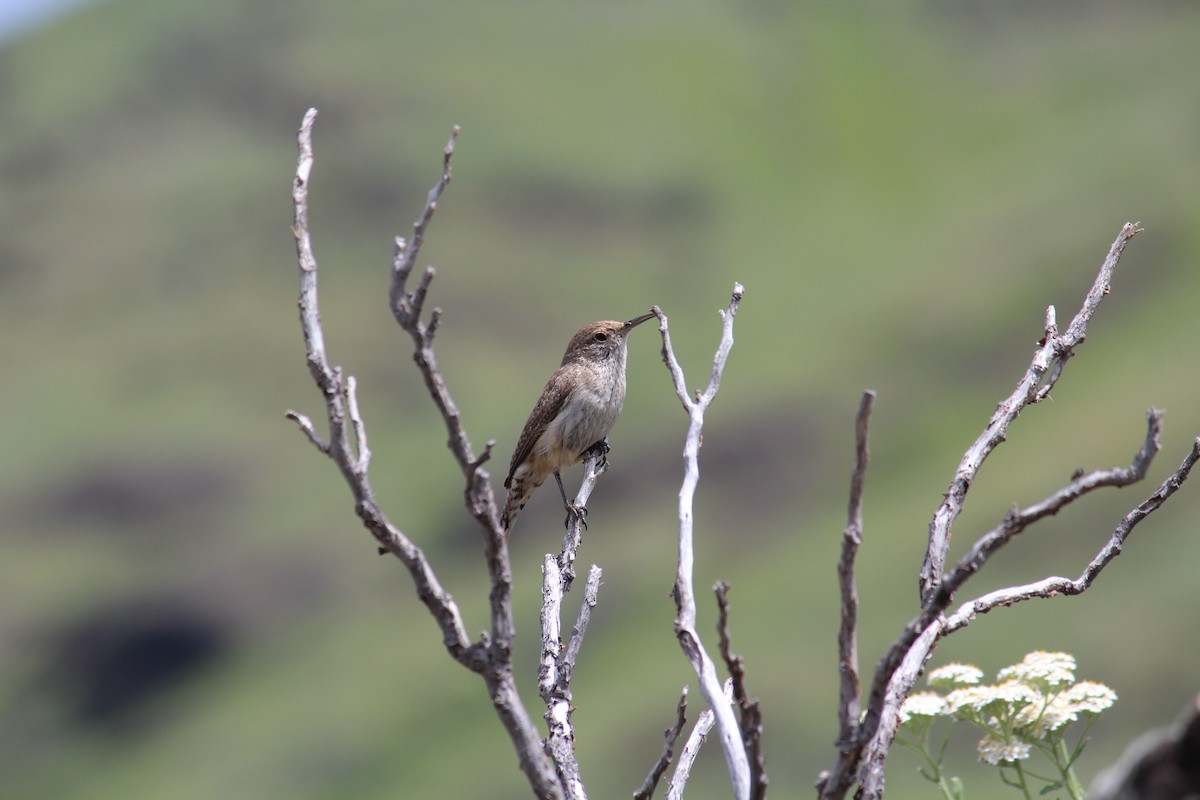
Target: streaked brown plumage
577,409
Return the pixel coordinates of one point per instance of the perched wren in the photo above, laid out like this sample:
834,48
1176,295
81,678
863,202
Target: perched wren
577,409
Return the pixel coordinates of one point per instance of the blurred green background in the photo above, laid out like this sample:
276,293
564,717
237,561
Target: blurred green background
188,607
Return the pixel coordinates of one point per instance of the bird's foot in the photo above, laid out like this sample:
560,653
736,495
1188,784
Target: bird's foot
600,449
576,512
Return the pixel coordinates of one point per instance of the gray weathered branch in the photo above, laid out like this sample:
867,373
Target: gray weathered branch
491,656
1051,356
730,734
691,748
875,755
849,706
646,790
864,747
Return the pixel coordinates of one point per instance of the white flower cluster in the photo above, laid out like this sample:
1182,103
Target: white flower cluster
954,676
1042,669
922,704
1029,703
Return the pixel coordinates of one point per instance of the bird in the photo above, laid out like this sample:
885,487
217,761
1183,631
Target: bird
574,414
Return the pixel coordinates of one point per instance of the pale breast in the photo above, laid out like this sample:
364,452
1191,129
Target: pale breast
586,418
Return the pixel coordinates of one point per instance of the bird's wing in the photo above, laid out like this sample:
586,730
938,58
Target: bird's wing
554,396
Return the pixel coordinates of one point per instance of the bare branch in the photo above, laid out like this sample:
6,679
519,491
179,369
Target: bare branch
668,356
306,427
874,758
551,626
1160,762
733,662
1018,520
558,662
660,767
849,703
751,713
363,461
594,465
691,747
875,755
868,743
557,668
908,654
1054,586
492,656
590,592
555,685
429,589
685,598
1054,350
407,254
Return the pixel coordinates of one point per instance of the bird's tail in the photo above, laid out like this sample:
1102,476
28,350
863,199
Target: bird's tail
521,487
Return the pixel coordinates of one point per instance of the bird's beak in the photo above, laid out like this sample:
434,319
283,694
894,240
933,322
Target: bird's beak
633,323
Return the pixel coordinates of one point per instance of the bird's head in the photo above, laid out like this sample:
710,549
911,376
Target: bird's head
600,341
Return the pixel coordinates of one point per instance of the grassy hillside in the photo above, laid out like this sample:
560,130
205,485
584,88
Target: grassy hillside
187,606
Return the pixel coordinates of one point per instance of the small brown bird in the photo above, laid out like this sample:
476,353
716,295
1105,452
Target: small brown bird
577,409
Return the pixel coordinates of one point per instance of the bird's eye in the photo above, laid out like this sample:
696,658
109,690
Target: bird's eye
601,337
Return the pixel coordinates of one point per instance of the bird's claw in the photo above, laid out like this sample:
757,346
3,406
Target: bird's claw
576,512
601,450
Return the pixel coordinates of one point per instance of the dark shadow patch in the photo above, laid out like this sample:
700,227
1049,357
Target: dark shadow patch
110,664
127,492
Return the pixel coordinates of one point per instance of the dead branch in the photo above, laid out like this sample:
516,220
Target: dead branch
491,656
864,746
646,791
750,713
687,757
732,744
849,707
1034,386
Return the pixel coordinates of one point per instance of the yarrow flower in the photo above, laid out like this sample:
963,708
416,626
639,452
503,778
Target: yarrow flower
1039,719
1089,697
1042,669
995,751
922,704
1029,707
969,701
954,676
1017,693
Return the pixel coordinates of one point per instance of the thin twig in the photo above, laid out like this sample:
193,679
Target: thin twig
1054,586
685,599
554,673
691,748
594,465
751,713
590,591
870,741
558,660
849,703
646,791
306,427
1017,520
407,254
907,656
491,657
875,755
439,602
1033,387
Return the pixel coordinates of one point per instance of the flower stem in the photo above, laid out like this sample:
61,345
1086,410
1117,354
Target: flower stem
1068,774
1021,782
